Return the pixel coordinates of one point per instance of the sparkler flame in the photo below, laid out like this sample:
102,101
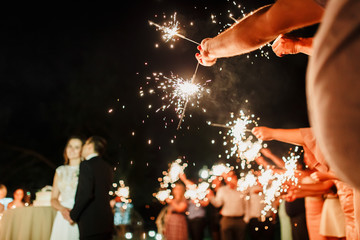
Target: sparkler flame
123,192
171,29
178,92
219,169
244,145
197,192
163,195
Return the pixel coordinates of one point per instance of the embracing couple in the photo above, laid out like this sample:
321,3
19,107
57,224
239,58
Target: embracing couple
81,192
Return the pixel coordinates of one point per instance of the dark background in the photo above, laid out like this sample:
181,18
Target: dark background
77,70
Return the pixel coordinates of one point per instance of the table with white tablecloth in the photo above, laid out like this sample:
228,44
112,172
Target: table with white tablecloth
33,223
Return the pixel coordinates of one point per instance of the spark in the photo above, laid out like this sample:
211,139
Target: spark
163,195
197,192
244,144
170,30
178,92
219,169
123,192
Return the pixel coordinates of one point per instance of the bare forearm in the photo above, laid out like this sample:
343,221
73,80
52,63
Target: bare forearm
263,26
292,136
304,193
239,39
55,203
304,45
278,161
322,186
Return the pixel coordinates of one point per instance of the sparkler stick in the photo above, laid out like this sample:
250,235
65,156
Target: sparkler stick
171,32
225,126
232,18
219,125
187,100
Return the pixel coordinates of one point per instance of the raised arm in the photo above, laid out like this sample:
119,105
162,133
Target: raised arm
323,176
259,28
316,187
278,161
186,181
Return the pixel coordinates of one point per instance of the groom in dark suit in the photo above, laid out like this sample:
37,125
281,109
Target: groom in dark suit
92,209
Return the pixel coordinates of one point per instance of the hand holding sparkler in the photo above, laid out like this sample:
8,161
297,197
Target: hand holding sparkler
263,133
204,57
210,195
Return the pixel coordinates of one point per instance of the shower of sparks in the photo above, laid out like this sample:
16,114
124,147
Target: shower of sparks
170,177
243,144
123,192
163,195
220,169
186,90
175,170
275,184
246,182
171,29
175,92
197,192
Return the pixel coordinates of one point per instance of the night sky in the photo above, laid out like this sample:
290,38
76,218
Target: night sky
78,69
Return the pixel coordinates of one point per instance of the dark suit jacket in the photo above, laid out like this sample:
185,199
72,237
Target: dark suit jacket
92,209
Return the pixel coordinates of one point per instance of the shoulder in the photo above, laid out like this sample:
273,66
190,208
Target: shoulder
60,169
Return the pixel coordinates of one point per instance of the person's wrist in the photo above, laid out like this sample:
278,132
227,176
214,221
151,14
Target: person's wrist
207,45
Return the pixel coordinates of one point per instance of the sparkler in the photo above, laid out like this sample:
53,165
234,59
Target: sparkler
197,192
244,144
178,92
219,169
170,177
163,195
123,192
248,181
187,89
273,183
170,30
175,170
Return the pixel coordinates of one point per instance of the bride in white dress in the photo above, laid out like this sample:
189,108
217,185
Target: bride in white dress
64,190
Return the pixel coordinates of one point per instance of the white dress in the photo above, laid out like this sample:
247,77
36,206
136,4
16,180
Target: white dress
67,184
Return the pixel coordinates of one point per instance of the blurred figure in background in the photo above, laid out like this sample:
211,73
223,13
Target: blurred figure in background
214,212
18,199
3,192
175,223
232,223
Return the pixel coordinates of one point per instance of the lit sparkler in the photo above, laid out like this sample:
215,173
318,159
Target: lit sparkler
170,177
123,192
197,192
175,170
171,29
179,92
163,195
220,169
248,181
244,144
274,183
